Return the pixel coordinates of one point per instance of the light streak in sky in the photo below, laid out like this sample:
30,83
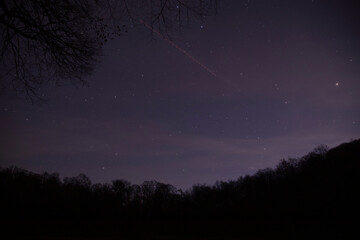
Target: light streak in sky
180,49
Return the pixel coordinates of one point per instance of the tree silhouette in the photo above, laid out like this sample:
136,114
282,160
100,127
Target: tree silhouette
51,41
46,40
312,197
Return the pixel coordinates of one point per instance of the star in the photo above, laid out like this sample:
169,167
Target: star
337,84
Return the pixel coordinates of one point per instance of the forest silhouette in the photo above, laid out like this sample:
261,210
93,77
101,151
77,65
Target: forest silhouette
312,197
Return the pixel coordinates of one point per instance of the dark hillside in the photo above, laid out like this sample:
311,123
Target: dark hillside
313,197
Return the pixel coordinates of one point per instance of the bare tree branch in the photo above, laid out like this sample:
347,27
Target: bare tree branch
43,41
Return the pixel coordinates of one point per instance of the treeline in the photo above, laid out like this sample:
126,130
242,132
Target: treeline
313,197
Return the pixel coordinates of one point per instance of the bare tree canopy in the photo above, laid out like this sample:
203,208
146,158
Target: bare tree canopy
45,41
55,41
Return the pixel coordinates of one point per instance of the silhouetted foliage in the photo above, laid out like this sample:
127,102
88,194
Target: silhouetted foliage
313,197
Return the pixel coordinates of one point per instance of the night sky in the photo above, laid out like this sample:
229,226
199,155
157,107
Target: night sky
278,79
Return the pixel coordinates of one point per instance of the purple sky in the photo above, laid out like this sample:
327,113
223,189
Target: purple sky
287,79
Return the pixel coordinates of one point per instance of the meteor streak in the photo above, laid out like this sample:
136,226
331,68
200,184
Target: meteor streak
179,48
